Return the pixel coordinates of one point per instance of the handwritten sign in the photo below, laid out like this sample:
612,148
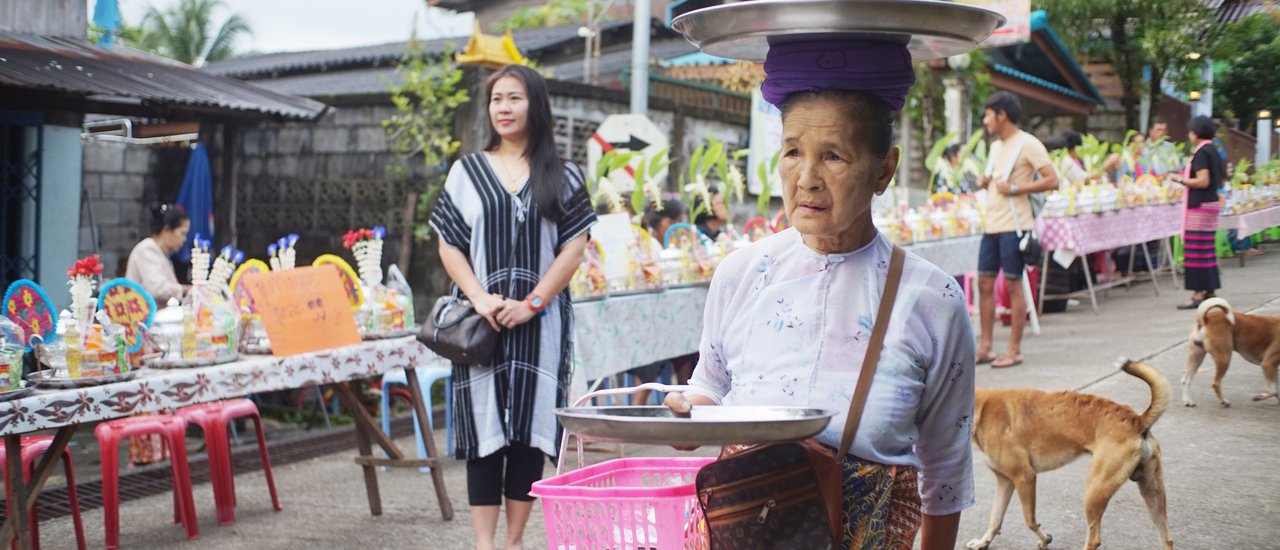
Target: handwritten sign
128,304
613,233
26,304
350,282
240,292
303,309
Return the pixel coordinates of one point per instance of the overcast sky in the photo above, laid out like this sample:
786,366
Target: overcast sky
289,25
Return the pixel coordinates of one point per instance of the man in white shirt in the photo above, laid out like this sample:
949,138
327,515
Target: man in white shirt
1016,158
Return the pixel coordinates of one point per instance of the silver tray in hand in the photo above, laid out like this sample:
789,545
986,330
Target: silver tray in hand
705,425
58,380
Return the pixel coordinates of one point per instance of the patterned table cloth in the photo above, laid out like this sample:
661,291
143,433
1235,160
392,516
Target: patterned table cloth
1252,222
617,333
165,390
955,256
1089,233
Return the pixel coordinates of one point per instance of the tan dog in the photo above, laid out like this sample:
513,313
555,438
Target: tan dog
1218,332
1025,432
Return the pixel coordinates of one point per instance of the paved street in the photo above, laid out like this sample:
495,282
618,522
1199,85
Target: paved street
1220,465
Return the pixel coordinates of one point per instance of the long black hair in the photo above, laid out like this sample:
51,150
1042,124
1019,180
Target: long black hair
166,216
546,168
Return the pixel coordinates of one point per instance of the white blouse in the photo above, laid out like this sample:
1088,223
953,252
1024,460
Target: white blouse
786,326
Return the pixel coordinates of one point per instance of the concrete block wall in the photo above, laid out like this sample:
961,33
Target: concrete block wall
121,181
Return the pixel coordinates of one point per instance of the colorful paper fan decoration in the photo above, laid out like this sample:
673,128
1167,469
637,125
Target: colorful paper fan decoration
128,304
350,282
26,304
756,228
683,230
240,291
780,222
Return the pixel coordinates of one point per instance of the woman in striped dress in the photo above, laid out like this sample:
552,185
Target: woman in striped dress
512,223
1203,177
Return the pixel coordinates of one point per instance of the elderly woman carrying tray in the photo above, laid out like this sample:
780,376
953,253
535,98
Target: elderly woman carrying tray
788,319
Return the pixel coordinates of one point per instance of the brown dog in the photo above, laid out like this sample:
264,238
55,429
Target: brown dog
1218,332
1025,432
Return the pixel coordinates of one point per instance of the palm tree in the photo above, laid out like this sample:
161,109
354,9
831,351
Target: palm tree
183,32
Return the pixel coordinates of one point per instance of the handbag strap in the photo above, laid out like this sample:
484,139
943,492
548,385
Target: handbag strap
859,401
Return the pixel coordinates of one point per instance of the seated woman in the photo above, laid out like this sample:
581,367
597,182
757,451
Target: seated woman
788,318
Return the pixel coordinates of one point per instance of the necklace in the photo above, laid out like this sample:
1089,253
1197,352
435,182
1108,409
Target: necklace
512,184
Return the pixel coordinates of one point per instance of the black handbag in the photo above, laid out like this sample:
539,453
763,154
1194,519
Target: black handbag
455,331
1032,252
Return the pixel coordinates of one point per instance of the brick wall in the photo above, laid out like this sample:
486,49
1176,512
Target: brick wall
120,182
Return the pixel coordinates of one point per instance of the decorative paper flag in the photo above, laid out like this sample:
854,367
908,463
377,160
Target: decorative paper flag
128,304
27,304
350,282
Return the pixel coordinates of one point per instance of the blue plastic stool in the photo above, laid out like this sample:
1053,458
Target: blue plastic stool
427,377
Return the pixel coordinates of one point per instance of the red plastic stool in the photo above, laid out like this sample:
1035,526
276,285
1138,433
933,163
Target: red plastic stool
213,418
33,448
172,429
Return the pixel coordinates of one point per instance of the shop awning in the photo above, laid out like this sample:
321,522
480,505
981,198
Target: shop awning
63,74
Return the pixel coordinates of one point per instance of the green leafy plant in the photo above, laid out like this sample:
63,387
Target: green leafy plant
937,164
648,169
422,126
766,170
1240,174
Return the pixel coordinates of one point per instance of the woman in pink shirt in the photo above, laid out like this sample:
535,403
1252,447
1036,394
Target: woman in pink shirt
149,263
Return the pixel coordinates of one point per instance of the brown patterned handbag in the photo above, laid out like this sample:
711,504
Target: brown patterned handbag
788,495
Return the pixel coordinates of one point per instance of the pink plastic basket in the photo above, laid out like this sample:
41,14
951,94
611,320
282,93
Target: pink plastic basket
633,503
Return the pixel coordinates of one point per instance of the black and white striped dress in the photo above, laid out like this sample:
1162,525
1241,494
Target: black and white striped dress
512,400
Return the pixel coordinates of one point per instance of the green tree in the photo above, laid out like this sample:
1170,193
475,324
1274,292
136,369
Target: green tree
422,128
1250,50
1135,34
552,14
186,32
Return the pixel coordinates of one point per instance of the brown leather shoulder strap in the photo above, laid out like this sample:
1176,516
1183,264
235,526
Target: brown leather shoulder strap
859,400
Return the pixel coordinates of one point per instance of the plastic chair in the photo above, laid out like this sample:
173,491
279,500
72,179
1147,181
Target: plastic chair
427,376
214,418
172,430
33,448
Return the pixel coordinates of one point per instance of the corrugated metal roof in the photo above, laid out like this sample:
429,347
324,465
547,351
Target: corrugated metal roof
530,41
129,77
1230,11
1004,69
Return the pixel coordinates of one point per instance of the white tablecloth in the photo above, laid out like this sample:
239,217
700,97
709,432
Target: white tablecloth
618,333
956,256
1252,222
166,390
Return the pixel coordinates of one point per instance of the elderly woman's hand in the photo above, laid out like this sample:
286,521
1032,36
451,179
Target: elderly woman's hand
682,405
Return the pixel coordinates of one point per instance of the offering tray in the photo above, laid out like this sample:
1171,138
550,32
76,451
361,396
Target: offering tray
636,292
224,357
388,335
697,284
49,379
705,425
743,30
19,392
257,349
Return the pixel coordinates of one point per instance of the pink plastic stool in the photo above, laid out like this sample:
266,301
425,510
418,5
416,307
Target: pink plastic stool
33,448
172,430
213,418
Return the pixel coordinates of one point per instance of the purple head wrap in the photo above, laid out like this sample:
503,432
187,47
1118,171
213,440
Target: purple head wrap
879,68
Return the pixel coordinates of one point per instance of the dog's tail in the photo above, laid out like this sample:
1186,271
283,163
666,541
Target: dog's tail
1159,390
1212,304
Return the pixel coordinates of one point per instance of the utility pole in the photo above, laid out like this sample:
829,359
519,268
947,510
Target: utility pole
640,58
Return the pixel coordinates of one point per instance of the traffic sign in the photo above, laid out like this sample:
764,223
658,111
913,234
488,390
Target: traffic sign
628,132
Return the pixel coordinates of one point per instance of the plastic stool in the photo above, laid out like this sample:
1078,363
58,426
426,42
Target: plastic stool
427,376
172,429
33,448
213,418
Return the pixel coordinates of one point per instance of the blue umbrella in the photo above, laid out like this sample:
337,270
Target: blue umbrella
106,14
196,198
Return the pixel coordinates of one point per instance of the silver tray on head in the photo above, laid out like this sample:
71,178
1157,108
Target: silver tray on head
705,425
743,30
46,379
